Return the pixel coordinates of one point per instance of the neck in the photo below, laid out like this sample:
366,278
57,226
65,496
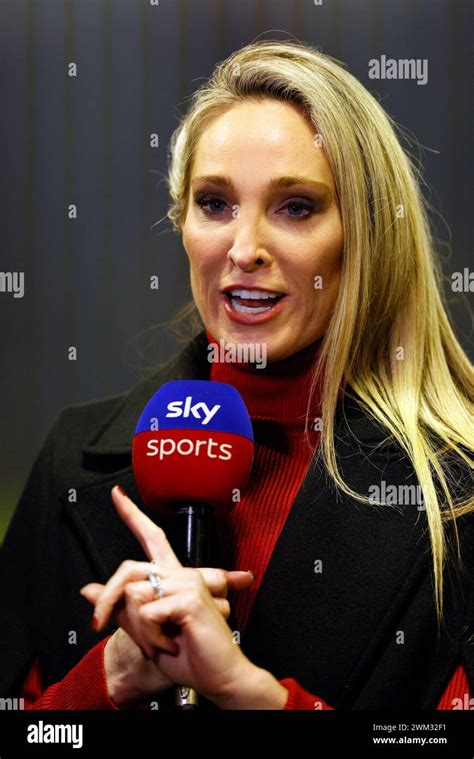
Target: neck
280,390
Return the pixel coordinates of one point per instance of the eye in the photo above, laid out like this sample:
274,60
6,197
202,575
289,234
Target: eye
299,209
210,204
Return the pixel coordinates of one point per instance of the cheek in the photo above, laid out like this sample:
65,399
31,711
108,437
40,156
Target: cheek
331,234
203,267
199,250
330,246
320,272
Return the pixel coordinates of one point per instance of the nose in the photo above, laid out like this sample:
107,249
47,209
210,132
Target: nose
247,254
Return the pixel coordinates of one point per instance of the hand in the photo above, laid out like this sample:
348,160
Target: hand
207,659
200,653
130,673
126,653
130,676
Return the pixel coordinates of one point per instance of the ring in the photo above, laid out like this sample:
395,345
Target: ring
156,583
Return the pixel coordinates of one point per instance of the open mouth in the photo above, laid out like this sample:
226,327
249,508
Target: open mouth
252,301
252,307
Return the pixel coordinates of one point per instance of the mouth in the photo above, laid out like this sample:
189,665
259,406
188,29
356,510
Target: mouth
252,306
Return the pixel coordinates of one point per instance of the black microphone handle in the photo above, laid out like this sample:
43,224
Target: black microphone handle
192,534
192,547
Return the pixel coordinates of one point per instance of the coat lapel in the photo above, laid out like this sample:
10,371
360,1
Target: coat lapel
104,536
341,572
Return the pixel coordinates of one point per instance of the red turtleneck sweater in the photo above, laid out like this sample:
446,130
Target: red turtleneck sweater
277,394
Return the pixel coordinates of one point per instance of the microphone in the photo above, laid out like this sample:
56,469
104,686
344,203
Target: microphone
192,452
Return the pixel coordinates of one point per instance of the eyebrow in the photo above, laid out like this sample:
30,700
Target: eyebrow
279,182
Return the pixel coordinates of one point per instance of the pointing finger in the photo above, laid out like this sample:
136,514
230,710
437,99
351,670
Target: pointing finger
152,538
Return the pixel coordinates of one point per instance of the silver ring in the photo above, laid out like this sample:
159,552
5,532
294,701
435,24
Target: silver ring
156,583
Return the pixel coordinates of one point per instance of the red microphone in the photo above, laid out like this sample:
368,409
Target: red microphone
193,444
192,454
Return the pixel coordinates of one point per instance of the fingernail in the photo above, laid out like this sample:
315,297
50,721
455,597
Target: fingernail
121,490
251,572
94,623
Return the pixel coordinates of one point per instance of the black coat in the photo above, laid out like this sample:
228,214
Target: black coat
361,633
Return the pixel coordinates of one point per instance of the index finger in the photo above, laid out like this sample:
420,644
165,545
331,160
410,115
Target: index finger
152,538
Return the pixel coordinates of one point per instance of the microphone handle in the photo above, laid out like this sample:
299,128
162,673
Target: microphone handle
193,550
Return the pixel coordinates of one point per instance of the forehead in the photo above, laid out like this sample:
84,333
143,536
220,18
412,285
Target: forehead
261,137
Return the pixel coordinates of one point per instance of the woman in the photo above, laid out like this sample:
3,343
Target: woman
306,234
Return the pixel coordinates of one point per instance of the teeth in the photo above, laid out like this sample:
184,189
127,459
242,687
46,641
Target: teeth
247,310
253,294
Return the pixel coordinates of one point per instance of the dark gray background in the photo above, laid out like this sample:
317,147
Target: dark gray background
86,141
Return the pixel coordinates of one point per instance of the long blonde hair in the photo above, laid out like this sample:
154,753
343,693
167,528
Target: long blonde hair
389,340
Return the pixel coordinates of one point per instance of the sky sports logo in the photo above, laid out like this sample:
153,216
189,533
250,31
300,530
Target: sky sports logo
175,407
165,447
185,447
194,422
193,443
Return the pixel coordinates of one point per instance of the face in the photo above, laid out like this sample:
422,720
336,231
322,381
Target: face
262,220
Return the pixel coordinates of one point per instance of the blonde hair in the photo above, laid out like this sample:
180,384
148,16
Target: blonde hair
389,305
